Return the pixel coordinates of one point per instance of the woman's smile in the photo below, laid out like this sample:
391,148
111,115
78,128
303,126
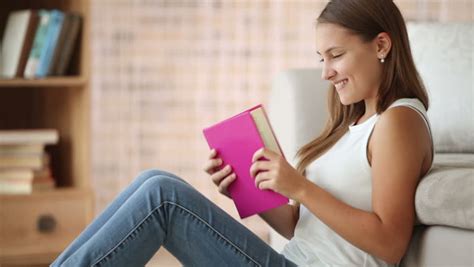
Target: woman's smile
341,84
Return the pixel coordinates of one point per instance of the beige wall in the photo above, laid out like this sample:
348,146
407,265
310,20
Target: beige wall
163,70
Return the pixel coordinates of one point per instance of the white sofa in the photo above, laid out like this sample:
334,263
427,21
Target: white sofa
444,204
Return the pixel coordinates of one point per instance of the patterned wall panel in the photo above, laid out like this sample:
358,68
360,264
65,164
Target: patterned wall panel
165,69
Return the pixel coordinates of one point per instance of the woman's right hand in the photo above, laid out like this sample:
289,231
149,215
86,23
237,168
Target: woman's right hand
222,178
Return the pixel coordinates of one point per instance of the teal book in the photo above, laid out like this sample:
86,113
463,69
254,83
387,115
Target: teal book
38,44
54,29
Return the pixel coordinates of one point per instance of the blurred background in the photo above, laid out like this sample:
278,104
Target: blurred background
163,70
151,74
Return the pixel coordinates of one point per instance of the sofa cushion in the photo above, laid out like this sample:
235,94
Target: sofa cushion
440,246
445,195
443,55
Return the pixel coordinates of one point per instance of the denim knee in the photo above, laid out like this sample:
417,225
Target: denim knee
161,188
147,174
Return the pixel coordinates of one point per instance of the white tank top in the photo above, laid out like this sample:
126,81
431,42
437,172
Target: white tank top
343,171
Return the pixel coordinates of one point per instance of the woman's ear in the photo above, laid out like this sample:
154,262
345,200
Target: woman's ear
383,43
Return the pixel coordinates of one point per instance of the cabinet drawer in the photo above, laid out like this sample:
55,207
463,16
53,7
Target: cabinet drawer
42,224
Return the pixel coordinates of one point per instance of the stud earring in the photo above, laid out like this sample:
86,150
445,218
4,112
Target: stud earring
382,59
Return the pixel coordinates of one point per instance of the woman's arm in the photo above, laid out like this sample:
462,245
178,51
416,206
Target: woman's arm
282,219
400,142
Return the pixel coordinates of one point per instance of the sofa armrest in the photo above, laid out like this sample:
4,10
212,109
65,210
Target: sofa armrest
297,112
440,246
297,108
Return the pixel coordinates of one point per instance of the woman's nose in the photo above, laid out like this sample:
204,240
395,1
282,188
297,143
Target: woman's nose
327,72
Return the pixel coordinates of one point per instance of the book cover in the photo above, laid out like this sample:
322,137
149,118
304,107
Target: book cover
42,175
38,44
15,187
25,181
65,29
22,149
29,136
13,39
71,38
17,174
34,162
57,19
28,42
236,140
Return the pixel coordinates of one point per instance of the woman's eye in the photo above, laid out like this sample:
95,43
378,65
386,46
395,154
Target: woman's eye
338,55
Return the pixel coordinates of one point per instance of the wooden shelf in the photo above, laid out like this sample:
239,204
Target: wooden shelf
56,192
71,81
47,223
36,227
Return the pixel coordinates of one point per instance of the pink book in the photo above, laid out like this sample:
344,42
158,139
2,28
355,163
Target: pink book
236,140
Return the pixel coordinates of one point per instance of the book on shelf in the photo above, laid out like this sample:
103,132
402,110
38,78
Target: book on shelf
33,161
27,175
55,22
17,41
27,42
38,43
22,149
24,163
28,136
66,44
24,181
236,139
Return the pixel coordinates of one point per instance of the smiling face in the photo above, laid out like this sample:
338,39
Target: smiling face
349,63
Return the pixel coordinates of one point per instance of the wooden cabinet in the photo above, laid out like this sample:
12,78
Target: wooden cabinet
35,228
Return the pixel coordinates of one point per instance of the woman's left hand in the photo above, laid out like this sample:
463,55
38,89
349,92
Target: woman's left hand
272,171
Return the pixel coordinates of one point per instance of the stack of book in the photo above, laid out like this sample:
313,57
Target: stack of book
38,43
24,163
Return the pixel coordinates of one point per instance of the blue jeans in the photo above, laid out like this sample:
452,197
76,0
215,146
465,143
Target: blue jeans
159,208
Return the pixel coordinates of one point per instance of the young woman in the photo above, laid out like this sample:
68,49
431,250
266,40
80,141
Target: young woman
353,188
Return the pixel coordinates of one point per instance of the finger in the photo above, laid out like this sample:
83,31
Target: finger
264,153
226,182
265,185
213,153
212,164
261,177
218,176
259,166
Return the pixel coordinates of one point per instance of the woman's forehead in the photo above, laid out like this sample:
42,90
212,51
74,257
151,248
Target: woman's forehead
329,36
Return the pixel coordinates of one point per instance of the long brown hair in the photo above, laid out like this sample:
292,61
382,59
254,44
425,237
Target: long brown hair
400,79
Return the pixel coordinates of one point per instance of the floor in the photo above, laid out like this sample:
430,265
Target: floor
163,259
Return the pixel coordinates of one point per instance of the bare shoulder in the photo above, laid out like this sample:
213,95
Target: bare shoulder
401,134
401,118
403,124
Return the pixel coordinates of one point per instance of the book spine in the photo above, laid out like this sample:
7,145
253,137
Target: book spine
13,40
59,44
34,136
57,18
16,188
38,44
31,162
28,42
69,44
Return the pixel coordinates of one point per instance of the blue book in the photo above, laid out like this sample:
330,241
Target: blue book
38,44
54,28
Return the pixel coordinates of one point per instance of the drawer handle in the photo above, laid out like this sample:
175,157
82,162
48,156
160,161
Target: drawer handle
46,223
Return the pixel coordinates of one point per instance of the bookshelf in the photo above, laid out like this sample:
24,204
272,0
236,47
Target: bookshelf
58,82
35,228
